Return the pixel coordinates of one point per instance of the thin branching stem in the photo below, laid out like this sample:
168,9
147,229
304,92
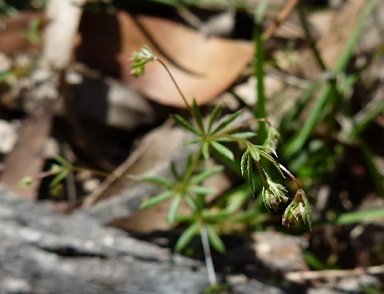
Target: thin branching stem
176,85
287,171
104,174
262,173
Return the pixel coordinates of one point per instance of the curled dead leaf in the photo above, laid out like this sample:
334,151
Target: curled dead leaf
203,66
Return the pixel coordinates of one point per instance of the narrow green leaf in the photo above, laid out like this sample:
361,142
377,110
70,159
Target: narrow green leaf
163,196
206,174
308,212
174,171
61,160
272,160
190,168
365,116
173,209
244,162
185,124
59,177
314,262
187,236
359,216
244,135
226,122
261,10
233,137
237,198
255,153
194,141
216,217
202,190
158,181
215,113
198,117
214,239
190,201
205,150
251,176
223,150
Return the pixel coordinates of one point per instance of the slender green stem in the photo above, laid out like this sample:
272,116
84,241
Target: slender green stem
259,110
287,171
176,85
208,256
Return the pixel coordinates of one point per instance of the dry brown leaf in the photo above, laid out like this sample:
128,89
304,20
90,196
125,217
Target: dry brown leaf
203,66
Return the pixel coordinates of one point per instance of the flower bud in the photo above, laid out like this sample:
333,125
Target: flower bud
298,211
273,194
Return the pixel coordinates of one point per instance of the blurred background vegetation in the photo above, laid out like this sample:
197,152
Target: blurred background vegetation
328,109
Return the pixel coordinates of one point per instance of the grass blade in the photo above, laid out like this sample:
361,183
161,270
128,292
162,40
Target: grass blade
316,113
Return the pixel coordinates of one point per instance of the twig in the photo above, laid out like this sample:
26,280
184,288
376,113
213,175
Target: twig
283,15
331,274
117,174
